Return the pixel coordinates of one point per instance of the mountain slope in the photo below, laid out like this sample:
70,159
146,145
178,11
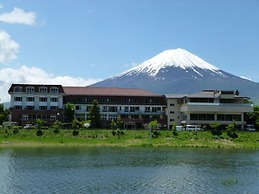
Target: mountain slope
179,71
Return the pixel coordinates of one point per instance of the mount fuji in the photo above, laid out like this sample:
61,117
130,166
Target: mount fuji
180,72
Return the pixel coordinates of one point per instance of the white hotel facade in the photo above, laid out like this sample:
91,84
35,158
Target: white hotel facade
135,107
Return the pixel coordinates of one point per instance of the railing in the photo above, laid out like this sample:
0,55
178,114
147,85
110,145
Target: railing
218,104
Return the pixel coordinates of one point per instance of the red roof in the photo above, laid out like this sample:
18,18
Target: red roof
107,91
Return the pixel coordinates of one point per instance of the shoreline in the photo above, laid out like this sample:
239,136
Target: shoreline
211,145
131,138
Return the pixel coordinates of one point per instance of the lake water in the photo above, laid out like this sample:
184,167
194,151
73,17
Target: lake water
128,170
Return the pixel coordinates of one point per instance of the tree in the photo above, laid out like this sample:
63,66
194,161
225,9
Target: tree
231,130
94,114
4,113
76,124
253,117
40,123
69,112
153,126
216,128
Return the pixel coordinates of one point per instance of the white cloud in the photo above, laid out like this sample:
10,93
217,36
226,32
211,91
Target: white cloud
34,75
19,16
8,48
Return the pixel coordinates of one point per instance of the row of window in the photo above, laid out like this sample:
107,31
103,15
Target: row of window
131,109
110,117
32,99
219,117
27,117
33,108
114,100
31,89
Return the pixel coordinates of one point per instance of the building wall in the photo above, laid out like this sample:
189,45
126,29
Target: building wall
40,102
133,111
173,112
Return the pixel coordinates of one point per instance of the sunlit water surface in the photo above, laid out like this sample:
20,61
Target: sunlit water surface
128,170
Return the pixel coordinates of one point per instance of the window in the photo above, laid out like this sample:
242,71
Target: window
54,99
147,109
134,108
25,117
54,90
43,107
30,99
112,117
206,117
30,107
30,89
104,109
43,99
17,98
43,90
171,112
103,117
17,89
112,109
156,109
171,104
126,109
229,117
18,107
53,108
52,117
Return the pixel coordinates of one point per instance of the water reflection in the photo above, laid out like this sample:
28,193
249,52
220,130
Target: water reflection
128,170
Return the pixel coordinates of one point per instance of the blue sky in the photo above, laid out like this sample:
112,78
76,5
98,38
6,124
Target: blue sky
79,42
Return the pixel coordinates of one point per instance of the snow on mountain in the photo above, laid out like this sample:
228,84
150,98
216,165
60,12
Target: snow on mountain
179,71
172,58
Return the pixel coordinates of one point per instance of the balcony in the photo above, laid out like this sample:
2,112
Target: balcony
216,107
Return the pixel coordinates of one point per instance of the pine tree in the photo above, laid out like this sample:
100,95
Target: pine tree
94,114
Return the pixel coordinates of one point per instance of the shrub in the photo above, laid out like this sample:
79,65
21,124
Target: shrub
15,131
216,128
231,132
75,133
155,133
56,131
39,132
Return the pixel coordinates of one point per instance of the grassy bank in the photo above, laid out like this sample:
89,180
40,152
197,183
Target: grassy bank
130,138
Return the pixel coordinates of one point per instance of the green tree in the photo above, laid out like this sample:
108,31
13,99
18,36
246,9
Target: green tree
216,128
253,117
69,112
231,130
76,124
94,114
57,124
39,123
4,113
153,126
174,129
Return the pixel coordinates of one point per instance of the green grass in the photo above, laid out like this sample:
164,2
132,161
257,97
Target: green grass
131,138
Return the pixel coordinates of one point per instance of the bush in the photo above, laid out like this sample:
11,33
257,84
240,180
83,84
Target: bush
155,133
231,132
75,133
39,132
56,131
15,131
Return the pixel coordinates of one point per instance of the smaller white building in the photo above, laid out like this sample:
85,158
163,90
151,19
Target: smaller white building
206,107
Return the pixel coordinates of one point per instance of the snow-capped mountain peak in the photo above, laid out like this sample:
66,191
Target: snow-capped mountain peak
172,58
